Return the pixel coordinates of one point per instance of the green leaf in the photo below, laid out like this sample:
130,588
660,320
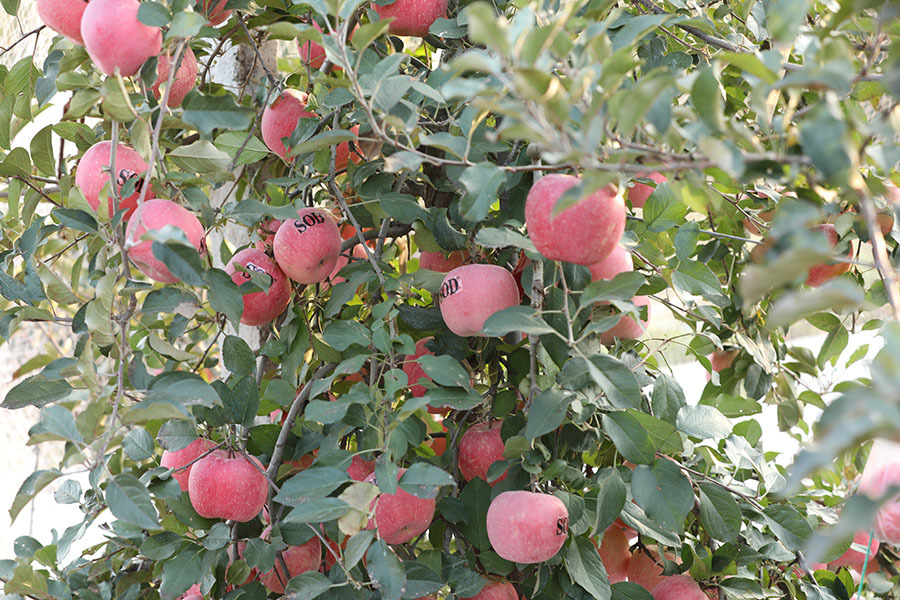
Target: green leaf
313,483
611,497
238,356
663,210
623,286
224,296
253,150
186,24
30,488
708,99
307,586
183,570
324,139
129,501
546,413
423,480
161,545
667,398
340,335
584,565
444,370
182,261
56,422
176,435
719,513
626,590
386,570
215,112
788,525
524,319
823,135
493,237
664,493
696,278
42,152
665,437
629,437
138,444
615,379
154,14
201,157
318,511
36,390
702,422
482,183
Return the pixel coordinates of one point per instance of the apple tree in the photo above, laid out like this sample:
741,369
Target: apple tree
399,316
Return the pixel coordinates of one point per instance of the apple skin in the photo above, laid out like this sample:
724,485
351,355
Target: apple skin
819,274
855,559
343,261
527,527
627,328
179,458
185,78
678,587
280,119
307,248
470,294
267,231
639,192
882,471
221,487
115,39
217,13
496,590
193,593
260,307
412,17
614,554
154,215
479,447
440,262
299,559
618,261
93,173
414,371
63,17
360,468
400,517
644,571
312,52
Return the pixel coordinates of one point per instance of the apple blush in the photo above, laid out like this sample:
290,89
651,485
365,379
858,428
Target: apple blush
154,215
472,293
412,17
180,458
527,527
307,248
260,308
479,447
184,81
115,39
223,487
92,174
63,17
639,192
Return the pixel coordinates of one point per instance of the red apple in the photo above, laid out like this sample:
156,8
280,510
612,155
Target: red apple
224,487
179,458
63,17
153,215
583,234
267,231
412,17
400,517
312,52
443,263
496,590
360,468
343,261
639,192
307,248
882,471
215,11
193,593
527,527
614,553
115,39
479,447
414,371
854,559
722,359
260,307
627,328
280,119
644,571
184,81
93,173
678,587
618,261
472,293
819,274
299,559
342,154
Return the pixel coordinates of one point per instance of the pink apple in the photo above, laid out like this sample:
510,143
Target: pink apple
414,371
639,192
819,274
583,234
63,17
722,359
215,11
527,527
343,261
307,248
360,468
400,517
412,17
479,447
627,328
93,173
184,81
618,261
267,231
227,487
312,52
115,39
496,590
153,215
472,293
678,587
260,307
644,571
614,553
280,119
342,154
882,471
443,263
179,458
299,559
855,559
193,593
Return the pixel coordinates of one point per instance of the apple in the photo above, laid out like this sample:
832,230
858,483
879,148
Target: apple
885,222
228,487
179,458
881,472
115,39
360,468
342,154
267,231
496,590
193,593
639,192
93,173
312,52
583,234
819,274
722,359
63,17
644,571
443,263
260,307
854,559
414,371
470,294
527,527
627,328
400,517
299,559
184,81
280,119
412,17
343,261
678,587
215,11
479,447
153,215
614,553
618,261
307,248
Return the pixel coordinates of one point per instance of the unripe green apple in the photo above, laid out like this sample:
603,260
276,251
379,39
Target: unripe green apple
225,487
527,527
470,294
93,173
307,248
63,17
153,215
260,307
115,39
